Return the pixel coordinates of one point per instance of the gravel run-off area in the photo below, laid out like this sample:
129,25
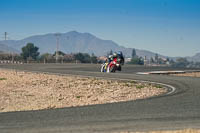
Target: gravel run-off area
21,91
192,74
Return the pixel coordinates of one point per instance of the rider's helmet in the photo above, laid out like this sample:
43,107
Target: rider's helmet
120,54
115,54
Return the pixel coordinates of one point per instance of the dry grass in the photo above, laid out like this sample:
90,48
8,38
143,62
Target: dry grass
34,91
2,78
175,131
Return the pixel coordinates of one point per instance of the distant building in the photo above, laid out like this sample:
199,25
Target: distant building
127,60
101,59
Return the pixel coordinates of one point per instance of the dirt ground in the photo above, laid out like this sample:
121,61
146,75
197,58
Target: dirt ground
193,74
21,91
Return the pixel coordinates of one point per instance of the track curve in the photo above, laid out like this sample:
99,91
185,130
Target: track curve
175,111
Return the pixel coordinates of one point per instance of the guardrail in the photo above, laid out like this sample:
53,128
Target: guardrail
10,62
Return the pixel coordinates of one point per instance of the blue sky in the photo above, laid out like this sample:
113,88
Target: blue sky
168,27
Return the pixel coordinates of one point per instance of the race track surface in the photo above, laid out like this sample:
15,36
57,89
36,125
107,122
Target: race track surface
178,110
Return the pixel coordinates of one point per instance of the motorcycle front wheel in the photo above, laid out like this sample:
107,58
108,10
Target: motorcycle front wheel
112,69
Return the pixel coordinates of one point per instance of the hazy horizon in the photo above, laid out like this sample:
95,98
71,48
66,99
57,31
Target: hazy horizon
167,27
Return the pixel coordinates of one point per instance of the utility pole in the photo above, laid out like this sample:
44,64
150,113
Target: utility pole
11,53
5,34
57,45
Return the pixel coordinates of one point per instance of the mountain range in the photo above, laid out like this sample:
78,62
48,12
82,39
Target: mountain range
195,58
6,49
73,42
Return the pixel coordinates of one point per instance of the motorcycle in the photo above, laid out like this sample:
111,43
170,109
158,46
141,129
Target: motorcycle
112,67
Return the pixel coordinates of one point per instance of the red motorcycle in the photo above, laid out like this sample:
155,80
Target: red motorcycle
115,65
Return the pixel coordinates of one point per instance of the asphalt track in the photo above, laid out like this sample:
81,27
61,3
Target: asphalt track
179,110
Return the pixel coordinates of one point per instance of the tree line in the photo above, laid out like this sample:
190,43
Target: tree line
136,59
30,54
179,62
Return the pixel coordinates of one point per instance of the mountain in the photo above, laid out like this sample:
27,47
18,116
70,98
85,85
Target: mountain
195,58
6,49
73,42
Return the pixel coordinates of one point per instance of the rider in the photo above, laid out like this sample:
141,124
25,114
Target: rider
111,57
118,55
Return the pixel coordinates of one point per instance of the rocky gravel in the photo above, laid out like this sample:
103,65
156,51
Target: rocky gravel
21,91
192,74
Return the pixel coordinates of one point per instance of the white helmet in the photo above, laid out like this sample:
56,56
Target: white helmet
114,54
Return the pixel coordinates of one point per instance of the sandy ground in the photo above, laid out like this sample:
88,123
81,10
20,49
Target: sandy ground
34,91
193,74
